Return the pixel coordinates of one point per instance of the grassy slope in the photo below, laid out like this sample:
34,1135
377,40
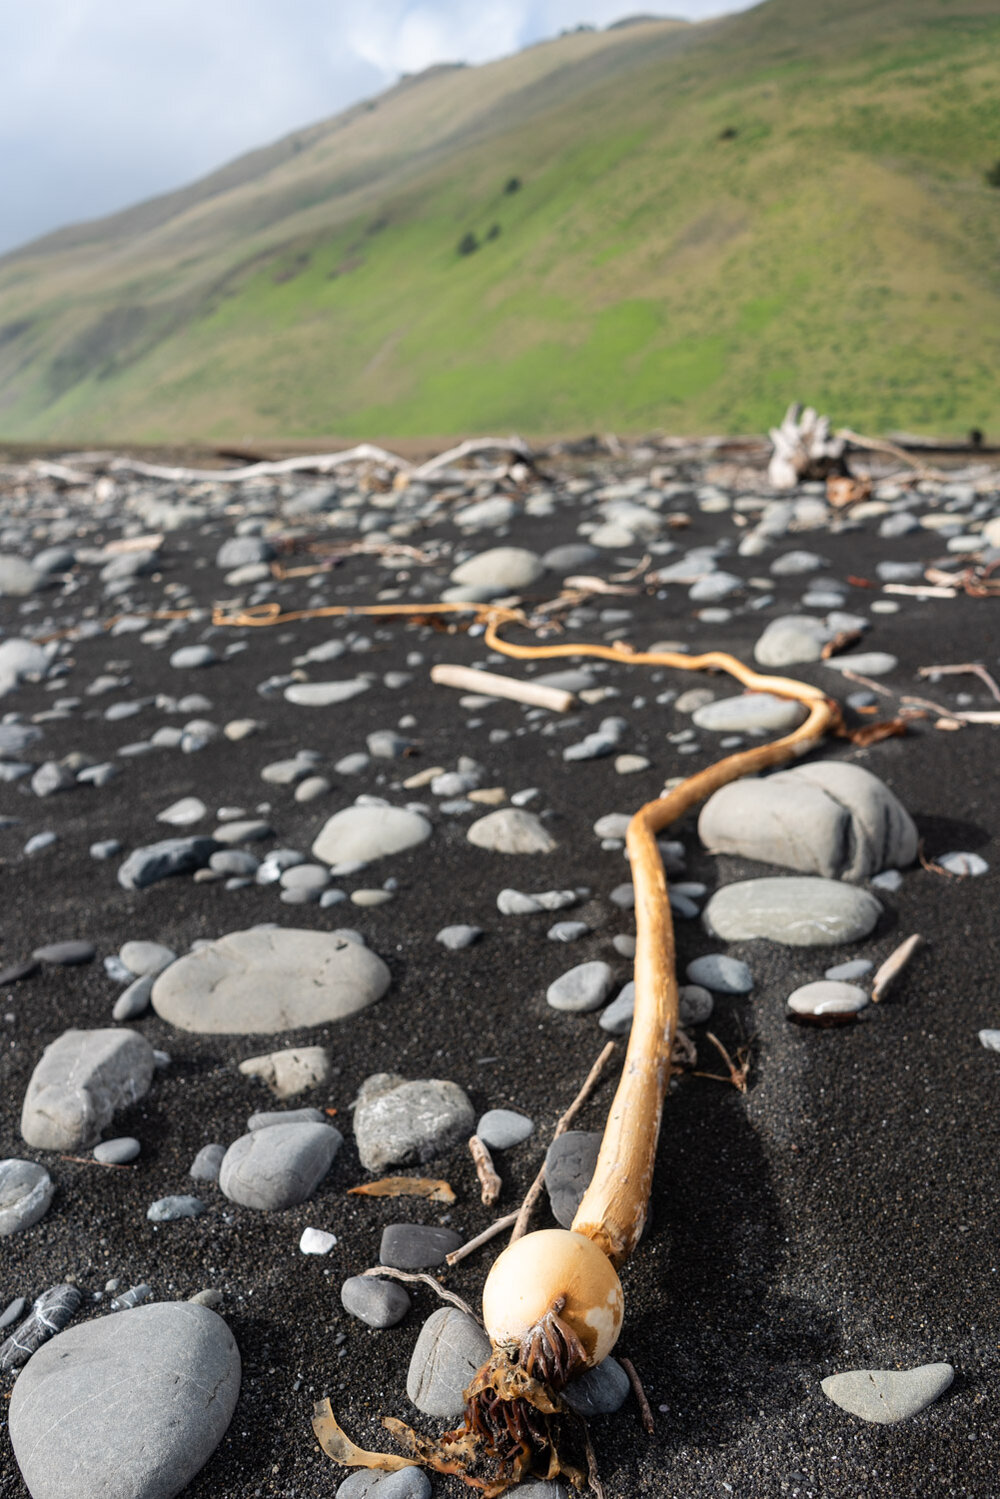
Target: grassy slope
841,248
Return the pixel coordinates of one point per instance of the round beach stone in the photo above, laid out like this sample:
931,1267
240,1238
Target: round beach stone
25,1194
500,568
416,1246
262,981
511,830
792,640
582,988
117,1152
131,1406
172,1209
827,997
376,1302
143,958
502,1128
363,834
754,710
405,1483
800,912
722,974
448,1353
278,1166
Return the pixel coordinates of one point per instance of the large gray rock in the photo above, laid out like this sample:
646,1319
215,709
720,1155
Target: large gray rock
25,1193
396,1122
278,1166
511,830
888,1395
801,912
449,1352
156,861
363,834
81,1081
826,818
267,980
128,1406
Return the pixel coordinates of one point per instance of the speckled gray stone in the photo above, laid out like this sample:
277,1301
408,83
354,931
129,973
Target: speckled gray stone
450,1349
397,1122
511,830
887,1396
798,911
207,1163
81,1080
753,710
376,1302
129,1391
173,1209
25,1195
157,861
278,1166
117,1152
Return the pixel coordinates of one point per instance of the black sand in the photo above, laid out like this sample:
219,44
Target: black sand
840,1215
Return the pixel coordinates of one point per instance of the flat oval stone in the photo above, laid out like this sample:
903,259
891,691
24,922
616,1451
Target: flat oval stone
582,988
143,1397
260,982
888,1395
569,1166
754,710
865,663
502,1128
143,958
500,568
117,1152
416,1246
722,974
323,694
376,1302
279,1166
362,834
449,1351
827,997
65,954
25,1194
798,911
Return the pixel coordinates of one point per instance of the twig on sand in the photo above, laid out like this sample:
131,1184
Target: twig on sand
85,1160
495,684
593,1477
497,1227
891,969
855,676
973,667
489,1181
386,1272
739,1071
640,1394
535,1190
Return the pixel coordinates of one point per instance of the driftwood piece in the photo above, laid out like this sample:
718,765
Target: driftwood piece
493,684
804,448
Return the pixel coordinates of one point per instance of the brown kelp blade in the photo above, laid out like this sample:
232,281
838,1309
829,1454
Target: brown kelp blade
337,1444
406,1186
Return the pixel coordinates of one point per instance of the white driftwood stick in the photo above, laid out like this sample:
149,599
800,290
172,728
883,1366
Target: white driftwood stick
466,449
492,684
920,590
319,463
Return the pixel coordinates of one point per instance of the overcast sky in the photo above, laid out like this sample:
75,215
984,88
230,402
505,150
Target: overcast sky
106,102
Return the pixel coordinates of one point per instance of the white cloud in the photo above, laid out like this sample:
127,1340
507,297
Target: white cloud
105,102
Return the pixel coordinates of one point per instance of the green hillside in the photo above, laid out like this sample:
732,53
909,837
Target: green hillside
668,226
